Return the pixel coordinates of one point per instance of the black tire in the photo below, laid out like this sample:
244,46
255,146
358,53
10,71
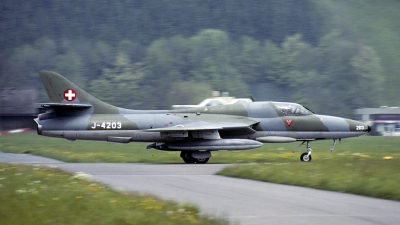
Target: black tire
187,158
305,158
202,161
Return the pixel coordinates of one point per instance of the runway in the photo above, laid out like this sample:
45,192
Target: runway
241,201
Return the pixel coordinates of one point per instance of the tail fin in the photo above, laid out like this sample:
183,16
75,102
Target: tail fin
64,93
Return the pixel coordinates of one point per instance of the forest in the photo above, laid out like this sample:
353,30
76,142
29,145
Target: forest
330,55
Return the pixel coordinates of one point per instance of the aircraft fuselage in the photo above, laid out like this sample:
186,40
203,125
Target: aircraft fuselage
135,124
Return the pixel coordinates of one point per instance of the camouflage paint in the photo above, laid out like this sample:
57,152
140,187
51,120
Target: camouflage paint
74,114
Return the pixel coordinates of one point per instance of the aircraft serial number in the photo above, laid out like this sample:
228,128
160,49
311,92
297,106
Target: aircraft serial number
107,125
360,128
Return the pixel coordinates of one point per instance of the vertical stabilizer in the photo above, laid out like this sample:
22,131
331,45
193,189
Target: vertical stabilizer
61,90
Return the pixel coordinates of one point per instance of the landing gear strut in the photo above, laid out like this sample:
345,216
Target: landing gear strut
192,157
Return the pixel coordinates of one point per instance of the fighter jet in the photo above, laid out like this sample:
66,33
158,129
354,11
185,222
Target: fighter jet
74,114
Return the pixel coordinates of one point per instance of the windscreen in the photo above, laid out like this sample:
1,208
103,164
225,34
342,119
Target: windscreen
292,109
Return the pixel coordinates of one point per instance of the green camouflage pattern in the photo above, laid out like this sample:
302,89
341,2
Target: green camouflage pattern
74,114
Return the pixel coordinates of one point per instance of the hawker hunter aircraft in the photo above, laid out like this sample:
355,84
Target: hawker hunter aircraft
74,114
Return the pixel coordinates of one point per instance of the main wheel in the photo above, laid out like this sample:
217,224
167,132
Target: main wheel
202,161
305,157
187,157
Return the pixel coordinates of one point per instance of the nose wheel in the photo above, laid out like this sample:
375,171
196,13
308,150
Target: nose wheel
305,157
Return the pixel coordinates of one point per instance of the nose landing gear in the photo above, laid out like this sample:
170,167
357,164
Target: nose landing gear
305,157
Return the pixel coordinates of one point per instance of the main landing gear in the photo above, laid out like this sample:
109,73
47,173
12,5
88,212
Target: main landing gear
199,157
306,157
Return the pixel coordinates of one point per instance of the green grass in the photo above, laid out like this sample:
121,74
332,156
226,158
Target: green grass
356,175
367,166
83,151
357,165
43,195
95,151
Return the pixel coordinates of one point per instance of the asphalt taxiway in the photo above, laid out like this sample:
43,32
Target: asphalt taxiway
239,200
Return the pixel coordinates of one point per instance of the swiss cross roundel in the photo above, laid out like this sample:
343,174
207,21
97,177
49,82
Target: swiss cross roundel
70,94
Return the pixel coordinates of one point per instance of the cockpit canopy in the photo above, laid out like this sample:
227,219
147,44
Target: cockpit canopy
292,109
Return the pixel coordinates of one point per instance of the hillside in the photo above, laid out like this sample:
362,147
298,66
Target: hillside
377,24
343,52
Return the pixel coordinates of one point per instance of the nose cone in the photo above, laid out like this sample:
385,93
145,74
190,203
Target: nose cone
344,128
357,126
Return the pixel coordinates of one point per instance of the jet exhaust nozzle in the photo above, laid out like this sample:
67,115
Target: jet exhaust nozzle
39,127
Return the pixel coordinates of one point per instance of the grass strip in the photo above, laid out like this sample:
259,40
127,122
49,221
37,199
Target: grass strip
356,174
98,151
42,195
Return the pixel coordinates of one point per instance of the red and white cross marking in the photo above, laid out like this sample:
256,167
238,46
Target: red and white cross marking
70,94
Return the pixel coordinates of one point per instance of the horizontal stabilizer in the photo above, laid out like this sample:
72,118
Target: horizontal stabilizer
63,109
72,105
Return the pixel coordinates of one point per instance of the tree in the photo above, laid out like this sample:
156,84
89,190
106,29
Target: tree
347,75
369,77
251,60
119,85
188,93
71,66
297,61
213,62
28,60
